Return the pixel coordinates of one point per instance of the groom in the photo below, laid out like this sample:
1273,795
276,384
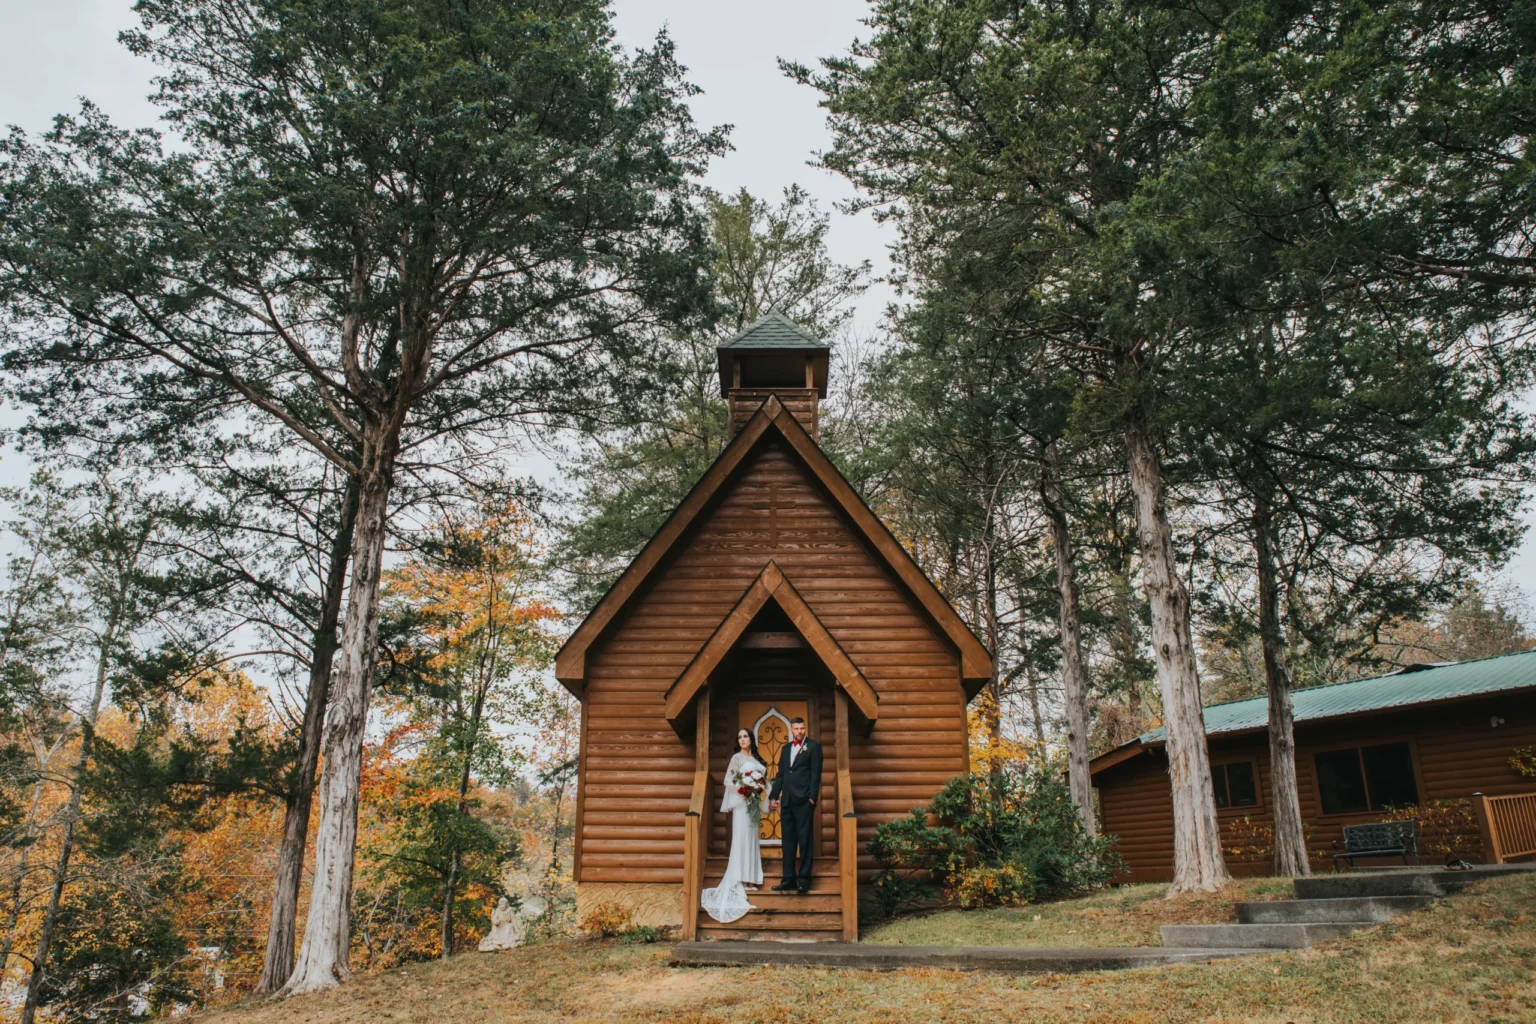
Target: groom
794,794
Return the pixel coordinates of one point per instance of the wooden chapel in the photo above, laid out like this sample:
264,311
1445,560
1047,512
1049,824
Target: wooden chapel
771,591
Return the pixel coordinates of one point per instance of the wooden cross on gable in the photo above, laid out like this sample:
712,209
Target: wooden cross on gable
773,505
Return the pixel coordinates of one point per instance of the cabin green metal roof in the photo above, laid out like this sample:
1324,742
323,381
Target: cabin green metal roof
1400,689
774,330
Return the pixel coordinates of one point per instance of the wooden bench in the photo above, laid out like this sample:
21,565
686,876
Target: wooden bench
1381,839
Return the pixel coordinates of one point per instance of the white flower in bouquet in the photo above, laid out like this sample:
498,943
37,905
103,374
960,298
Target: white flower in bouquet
751,782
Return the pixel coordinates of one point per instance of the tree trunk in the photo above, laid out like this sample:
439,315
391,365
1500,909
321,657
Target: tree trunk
277,965
1074,680
449,891
995,684
67,841
1290,845
1033,683
322,960
1197,859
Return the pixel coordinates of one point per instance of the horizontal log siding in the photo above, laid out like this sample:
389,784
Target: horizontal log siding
803,404
637,771
1456,753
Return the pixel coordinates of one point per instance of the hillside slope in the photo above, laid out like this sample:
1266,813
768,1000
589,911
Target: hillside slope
1470,959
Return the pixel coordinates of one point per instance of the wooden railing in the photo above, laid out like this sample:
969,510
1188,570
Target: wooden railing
848,856
847,828
696,823
1508,825
693,855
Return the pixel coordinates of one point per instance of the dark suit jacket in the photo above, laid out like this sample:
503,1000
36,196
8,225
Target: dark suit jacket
801,781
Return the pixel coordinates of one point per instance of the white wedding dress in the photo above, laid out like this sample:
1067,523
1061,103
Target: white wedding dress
728,900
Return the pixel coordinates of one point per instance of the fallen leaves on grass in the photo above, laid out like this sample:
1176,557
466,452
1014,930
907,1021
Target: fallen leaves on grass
1443,966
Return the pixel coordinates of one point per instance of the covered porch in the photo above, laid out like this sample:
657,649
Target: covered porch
770,660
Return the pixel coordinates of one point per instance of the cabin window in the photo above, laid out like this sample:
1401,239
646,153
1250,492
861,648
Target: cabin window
1234,784
1366,779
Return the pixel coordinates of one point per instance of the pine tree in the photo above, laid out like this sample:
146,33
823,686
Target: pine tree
928,116
436,221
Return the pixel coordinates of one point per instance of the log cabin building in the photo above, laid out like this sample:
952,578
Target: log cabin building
772,591
1417,738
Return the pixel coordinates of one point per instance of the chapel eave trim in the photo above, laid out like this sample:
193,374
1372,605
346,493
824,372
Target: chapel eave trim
771,585
975,660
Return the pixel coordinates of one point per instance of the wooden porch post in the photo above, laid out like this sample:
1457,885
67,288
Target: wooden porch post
694,830
847,827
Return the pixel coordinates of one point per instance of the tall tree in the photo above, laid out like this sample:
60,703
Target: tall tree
925,118
277,539
103,551
38,620
1074,679
1359,408
437,221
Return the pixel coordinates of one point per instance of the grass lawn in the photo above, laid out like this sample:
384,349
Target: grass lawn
1469,960
1125,916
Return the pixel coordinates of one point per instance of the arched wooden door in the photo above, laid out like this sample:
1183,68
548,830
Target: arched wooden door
769,723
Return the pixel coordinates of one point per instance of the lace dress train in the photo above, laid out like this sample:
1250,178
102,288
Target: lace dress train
728,901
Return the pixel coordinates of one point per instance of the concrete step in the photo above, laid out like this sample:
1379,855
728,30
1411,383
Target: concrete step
1253,936
1346,910
1008,959
1377,884
1411,881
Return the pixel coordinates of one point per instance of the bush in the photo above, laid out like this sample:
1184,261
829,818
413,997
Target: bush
1018,824
1444,828
640,933
982,886
912,858
606,920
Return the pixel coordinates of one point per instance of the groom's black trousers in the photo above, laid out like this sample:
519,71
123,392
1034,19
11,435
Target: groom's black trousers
795,826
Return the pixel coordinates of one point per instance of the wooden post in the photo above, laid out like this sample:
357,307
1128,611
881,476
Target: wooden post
695,832
1491,854
847,827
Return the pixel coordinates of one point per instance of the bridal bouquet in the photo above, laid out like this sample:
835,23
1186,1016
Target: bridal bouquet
750,782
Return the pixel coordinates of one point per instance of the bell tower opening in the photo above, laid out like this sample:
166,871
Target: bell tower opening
774,356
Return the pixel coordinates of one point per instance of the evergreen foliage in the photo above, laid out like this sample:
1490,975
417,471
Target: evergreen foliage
1019,821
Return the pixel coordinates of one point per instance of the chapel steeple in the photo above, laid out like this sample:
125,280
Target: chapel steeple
774,356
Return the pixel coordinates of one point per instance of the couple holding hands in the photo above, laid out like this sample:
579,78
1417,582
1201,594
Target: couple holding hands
793,794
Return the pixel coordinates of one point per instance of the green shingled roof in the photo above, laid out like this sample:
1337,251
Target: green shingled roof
1400,689
774,330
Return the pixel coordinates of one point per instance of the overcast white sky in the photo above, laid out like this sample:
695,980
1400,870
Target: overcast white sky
60,50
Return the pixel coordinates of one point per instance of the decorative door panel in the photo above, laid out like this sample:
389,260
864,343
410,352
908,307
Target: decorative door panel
769,722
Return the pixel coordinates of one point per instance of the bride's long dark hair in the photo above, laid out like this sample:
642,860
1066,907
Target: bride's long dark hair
751,739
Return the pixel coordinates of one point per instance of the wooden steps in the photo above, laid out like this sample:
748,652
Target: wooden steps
816,916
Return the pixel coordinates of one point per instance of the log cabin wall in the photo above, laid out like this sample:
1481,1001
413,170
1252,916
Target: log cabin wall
636,772
1456,752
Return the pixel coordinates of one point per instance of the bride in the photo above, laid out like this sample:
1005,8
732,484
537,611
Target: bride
728,901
